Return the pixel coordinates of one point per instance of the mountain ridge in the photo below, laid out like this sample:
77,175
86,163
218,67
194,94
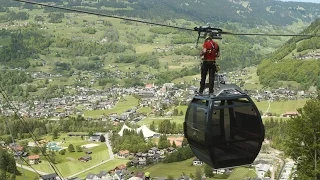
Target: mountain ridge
296,60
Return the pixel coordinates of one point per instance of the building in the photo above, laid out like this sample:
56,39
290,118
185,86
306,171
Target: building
197,162
53,176
34,159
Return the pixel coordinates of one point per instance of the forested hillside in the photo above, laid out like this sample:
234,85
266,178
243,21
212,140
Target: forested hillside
252,12
297,60
62,48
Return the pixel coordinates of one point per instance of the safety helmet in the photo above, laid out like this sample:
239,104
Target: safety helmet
209,36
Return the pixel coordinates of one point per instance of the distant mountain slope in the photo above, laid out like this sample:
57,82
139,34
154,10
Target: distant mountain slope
251,12
297,60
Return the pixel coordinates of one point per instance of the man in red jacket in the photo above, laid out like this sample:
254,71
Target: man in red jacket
209,53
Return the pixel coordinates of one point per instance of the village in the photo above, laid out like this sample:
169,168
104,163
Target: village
150,96
86,99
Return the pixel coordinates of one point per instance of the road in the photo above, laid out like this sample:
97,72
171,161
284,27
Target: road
111,157
273,155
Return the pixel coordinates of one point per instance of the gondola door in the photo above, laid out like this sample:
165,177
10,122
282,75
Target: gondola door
196,129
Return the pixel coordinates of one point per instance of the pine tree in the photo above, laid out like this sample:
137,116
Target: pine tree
198,175
102,138
174,144
11,167
71,148
208,171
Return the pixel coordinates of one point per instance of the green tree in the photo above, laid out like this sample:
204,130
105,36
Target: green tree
303,144
208,171
170,177
152,126
55,134
184,142
175,112
198,174
62,152
35,150
268,174
174,144
102,138
79,149
71,148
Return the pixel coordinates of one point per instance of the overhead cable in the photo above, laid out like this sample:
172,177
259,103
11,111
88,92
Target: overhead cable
158,24
16,112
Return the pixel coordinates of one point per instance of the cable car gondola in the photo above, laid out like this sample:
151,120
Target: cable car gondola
224,130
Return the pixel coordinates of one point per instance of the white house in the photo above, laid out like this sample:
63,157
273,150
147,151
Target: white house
197,162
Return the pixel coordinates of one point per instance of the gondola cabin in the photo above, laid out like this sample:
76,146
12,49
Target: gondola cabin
224,130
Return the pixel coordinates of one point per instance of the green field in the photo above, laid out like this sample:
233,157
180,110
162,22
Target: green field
127,103
280,107
147,121
178,168
105,167
25,174
69,162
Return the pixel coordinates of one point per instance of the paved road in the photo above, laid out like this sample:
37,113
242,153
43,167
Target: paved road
111,157
30,169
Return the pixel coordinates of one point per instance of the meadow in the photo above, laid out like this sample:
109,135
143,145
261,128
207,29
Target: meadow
25,174
176,169
123,105
69,163
105,167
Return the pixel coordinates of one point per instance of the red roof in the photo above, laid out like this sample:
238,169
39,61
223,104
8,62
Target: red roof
122,166
291,113
33,157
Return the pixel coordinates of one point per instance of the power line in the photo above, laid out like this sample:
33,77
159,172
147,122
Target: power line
5,121
158,24
15,110
20,156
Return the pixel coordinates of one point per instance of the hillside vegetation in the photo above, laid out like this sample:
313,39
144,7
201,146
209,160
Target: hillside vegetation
296,60
61,48
252,12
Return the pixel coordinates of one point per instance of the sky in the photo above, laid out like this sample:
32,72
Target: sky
314,1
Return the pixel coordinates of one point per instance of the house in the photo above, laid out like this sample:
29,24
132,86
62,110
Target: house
262,169
91,176
123,154
85,158
290,114
102,174
94,138
53,176
134,162
171,149
34,159
197,162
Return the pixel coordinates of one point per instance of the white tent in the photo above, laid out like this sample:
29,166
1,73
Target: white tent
146,131
123,128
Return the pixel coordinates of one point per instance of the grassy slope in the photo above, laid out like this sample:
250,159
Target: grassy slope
176,169
121,107
25,174
105,167
69,162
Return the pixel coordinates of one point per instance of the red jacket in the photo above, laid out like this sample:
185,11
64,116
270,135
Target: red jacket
212,50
